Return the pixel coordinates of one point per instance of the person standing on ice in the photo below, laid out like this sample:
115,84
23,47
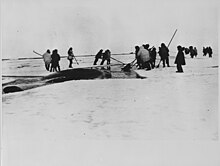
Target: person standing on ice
180,60
192,51
204,50
144,56
70,57
137,48
98,56
209,51
153,54
55,61
164,54
196,52
147,47
47,59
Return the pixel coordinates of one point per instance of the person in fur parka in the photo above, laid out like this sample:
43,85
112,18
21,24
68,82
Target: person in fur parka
180,59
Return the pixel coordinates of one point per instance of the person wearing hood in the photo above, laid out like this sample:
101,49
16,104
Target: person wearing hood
164,54
137,48
209,51
180,60
106,57
144,56
55,61
153,54
204,50
192,51
98,56
196,52
70,57
47,59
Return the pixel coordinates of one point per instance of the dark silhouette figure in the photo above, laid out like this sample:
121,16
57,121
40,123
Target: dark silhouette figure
192,51
209,51
70,57
180,59
164,54
98,56
204,50
137,48
55,61
146,46
106,57
153,54
195,52
186,50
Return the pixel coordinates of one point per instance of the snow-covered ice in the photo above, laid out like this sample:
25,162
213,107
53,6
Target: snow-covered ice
164,106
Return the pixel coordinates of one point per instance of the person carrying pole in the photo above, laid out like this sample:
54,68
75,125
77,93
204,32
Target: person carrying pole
47,58
164,54
180,60
70,57
167,47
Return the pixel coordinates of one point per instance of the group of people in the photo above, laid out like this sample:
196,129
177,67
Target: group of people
104,56
146,57
52,60
207,50
191,50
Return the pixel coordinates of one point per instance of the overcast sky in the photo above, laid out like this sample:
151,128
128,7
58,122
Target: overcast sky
119,25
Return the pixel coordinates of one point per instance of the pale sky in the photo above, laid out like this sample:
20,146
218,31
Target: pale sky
118,25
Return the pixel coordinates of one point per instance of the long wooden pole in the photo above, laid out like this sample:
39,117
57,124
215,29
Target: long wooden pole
75,60
37,53
118,60
172,38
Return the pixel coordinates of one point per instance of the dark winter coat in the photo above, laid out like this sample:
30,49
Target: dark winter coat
99,55
153,54
180,59
55,58
107,55
70,54
163,52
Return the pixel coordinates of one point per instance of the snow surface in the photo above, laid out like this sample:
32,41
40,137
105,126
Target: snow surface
60,118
